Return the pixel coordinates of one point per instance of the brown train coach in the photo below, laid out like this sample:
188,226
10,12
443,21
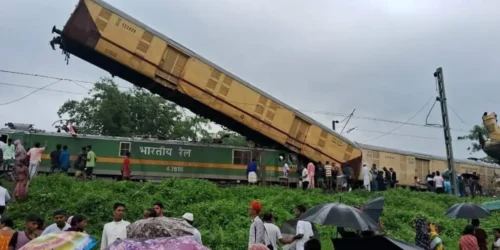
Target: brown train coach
116,42
410,164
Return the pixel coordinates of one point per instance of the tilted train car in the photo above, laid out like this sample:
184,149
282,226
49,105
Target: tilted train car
410,164
156,159
116,42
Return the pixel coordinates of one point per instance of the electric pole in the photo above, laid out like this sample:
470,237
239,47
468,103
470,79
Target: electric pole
333,124
446,127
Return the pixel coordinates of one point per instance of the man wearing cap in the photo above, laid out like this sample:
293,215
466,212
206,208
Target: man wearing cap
257,229
60,224
196,234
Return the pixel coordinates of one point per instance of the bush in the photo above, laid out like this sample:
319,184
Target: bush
221,213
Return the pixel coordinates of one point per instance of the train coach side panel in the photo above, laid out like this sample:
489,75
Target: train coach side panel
141,50
222,93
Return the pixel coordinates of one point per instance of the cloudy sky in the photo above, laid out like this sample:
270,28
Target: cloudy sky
323,57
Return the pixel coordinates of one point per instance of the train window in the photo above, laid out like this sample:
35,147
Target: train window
242,157
4,138
124,148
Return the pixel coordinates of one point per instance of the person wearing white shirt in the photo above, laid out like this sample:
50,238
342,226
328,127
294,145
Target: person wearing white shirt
273,233
366,177
4,198
60,217
196,234
304,229
439,183
117,229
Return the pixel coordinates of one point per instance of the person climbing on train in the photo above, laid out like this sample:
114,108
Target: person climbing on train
35,155
252,172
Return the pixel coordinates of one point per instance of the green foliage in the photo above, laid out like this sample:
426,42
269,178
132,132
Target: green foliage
221,213
110,111
473,136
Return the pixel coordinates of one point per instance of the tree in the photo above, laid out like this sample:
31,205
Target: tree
474,135
136,112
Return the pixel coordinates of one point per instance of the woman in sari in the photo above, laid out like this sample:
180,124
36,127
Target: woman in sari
422,238
21,189
6,232
436,243
20,153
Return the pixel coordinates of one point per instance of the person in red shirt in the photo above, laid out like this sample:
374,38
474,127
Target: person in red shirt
126,167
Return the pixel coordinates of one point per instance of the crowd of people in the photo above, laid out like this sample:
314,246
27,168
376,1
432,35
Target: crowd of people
34,226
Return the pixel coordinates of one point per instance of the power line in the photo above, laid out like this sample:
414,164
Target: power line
405,135
44,88
389,132
242,103
19,99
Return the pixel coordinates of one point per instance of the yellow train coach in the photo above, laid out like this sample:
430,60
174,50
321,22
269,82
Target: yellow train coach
116,42
410,164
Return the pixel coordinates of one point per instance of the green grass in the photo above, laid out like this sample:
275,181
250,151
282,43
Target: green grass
221,213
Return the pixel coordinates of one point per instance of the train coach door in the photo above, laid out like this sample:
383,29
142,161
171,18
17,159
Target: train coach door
422,169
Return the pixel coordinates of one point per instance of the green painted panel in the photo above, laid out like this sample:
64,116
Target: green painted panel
176,152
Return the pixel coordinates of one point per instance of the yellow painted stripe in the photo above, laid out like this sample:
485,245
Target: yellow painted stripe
118,160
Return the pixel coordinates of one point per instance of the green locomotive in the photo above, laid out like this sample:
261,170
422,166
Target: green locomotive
156,159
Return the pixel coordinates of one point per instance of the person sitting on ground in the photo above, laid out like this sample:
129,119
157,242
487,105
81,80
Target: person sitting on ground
21,238
60,224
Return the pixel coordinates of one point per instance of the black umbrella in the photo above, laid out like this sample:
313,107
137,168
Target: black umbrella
467,211
374,242
340,215
374,208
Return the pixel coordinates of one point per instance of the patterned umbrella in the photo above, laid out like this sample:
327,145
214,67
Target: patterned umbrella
62,241
168,243
159,227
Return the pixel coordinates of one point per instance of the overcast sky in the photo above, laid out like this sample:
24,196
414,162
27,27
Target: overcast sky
318,56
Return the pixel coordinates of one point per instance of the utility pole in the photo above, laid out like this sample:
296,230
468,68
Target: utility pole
446,127
348,119
333,124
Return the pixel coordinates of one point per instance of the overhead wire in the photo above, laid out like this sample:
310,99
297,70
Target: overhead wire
344,115
31,93
418,112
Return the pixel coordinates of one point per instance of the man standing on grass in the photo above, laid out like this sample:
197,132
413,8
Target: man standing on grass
257,229
4,198
117,229
91,159
304,228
